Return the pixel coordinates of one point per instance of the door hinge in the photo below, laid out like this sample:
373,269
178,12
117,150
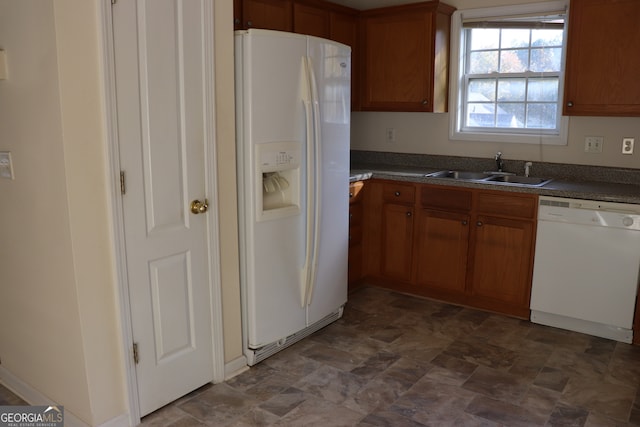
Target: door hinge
114,1
123,186
136,355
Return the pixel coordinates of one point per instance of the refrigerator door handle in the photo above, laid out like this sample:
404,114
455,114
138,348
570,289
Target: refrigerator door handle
316,177
307,102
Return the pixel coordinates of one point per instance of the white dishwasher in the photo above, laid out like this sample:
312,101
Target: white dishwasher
586,268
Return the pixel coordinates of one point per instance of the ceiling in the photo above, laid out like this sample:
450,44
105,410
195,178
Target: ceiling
372,4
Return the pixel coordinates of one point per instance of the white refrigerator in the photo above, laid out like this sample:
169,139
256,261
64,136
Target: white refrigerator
293,133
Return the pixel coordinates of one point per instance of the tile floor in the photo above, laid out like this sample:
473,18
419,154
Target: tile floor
394,360
8,398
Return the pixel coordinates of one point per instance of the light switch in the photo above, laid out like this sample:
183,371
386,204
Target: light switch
3,65
6,167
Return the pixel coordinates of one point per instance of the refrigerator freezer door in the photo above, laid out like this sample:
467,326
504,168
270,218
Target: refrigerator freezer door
270,111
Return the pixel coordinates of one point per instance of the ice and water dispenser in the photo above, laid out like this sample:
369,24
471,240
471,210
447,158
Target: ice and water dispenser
277,179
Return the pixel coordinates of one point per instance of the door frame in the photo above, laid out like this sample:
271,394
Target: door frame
107,58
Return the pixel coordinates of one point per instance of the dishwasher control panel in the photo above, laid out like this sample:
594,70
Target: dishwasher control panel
589,212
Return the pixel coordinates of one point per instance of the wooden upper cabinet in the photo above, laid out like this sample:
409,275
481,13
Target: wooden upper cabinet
268,14
406,54
603,59
311,20
237,14
343,28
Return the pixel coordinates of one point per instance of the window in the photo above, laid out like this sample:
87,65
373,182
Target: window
508,76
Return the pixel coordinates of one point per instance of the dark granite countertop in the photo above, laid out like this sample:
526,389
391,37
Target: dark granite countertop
627,191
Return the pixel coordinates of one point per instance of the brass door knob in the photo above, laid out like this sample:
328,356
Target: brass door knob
198,207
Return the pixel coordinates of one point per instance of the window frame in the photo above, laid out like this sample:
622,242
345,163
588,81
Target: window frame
457,103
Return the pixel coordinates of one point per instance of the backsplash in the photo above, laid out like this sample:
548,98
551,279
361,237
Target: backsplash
539,169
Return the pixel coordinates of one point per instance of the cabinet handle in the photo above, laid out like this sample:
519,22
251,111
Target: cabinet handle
464,222
397,193
236,21
350,194
479,223
249,23
409,213
570,104
350,215
425,102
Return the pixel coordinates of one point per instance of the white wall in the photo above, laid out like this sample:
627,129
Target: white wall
227,194
42,325
428,133
59,319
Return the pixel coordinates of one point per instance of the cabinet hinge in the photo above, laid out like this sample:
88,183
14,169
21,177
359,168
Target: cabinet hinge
123,186
136,355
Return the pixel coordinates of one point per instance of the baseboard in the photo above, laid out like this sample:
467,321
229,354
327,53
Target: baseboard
119,421
235,367
35,397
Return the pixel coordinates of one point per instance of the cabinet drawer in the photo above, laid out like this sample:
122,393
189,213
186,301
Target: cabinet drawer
441,198
399,193
511,205
355,191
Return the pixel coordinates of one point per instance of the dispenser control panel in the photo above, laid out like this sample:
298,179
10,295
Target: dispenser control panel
272,160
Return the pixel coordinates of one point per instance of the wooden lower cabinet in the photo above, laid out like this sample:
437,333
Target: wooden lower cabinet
461,245
442,241
396,229
502,264
397,240
356,213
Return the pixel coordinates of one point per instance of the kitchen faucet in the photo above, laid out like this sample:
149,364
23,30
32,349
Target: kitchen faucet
499,162
527,168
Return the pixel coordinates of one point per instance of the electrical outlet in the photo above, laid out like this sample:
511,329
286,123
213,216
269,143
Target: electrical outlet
627,145
391,135
593,144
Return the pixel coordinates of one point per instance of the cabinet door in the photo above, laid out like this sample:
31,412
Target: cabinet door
267,14
310,20
603,59
442,240
397,239
398,57
502,264
343,28
237,14
355,232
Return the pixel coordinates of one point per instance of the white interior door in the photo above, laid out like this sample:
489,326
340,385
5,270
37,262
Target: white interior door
161,88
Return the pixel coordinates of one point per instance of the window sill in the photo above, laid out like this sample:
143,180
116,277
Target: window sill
518,138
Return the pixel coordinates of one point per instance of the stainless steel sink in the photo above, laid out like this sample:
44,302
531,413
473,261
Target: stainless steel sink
522,180
463,175
405,173
491,177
